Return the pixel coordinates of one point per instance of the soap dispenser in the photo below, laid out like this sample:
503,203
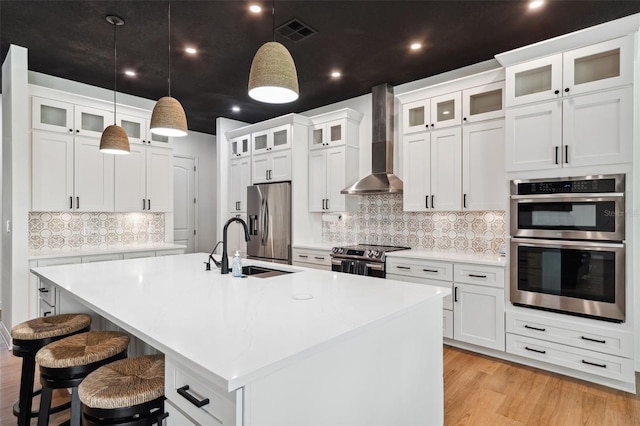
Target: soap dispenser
236,265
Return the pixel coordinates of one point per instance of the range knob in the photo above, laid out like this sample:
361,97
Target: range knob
370,253
377,253
341,250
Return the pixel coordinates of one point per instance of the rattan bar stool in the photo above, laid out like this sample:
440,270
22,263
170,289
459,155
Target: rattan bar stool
66,362
129,392
28,338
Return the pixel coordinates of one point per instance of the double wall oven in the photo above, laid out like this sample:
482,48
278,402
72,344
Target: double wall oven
567,245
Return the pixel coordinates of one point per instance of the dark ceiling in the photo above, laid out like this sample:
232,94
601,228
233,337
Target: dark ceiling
366,40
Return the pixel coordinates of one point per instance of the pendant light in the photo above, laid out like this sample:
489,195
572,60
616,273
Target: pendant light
114,139
273,78
168,117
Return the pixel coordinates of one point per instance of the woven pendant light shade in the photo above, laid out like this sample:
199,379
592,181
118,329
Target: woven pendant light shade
114,140
168,118
273,78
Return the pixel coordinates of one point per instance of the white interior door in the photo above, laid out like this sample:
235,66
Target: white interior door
184,202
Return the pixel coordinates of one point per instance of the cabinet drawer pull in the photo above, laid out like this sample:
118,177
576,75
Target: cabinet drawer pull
477,276
44,314
530,327
303,256
593,340
46,290
318,257
535,350
186,395
594,364
435,271
403,267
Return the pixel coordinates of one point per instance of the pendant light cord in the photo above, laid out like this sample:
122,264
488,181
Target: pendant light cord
169,59
115,71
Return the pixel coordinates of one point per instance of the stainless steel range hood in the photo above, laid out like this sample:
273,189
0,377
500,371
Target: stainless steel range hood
381,180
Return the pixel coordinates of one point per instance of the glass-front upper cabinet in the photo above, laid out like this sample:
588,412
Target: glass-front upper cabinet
241,146
595,67
327,134
54,116
272,139
416,116
446,111
91,121
483,102
135,128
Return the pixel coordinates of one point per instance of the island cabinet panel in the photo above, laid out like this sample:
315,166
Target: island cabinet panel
343,376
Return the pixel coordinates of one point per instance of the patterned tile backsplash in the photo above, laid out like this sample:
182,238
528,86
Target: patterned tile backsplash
380,220
51,232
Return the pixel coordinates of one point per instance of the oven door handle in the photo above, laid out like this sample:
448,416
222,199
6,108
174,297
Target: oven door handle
566,243
555,198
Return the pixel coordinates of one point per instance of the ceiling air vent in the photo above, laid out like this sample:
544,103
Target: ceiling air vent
295,30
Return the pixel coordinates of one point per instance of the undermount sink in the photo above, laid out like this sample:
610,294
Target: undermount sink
262,272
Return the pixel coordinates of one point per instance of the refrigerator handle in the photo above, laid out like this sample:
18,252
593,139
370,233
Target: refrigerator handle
263,221
253,219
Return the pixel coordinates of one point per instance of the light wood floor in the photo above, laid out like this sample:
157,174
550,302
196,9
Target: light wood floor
478,391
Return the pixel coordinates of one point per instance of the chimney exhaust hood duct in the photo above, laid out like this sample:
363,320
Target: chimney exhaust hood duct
381,180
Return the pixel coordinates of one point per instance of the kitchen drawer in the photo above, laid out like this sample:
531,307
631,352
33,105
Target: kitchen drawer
47,293
176,417
169,252
101,257
447,324
614,367
605,340
316,257
478,274
447,301
138,254
221,408
431,269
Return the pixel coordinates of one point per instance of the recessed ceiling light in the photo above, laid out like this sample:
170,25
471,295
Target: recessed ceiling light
235,108
254,8
335,74
416,46
191,50
535,4
130,73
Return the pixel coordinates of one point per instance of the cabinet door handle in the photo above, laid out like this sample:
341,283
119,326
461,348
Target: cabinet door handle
318,257
455,294
566,90
433,206
144,203
477,276
304,256
566,154
594,364
77,202
556,153
535,350
149,204
534,328
46,313
464,201
556,92
71,202
426,201
431,270
195,401
593,340
404,267
46,290
266,175
327,203
323,204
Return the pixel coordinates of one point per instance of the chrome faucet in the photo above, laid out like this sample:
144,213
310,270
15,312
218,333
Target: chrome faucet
225,261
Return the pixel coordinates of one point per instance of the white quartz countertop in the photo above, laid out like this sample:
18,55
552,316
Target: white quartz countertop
109,250
235,329
480,259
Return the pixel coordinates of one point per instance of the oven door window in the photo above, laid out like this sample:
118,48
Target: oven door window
581,274
568,216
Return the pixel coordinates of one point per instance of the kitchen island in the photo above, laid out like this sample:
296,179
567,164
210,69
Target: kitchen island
306,347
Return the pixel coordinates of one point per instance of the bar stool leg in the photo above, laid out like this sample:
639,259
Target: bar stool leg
76,407
45,404
26,390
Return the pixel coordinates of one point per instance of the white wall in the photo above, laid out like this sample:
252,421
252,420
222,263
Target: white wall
15,188
202,147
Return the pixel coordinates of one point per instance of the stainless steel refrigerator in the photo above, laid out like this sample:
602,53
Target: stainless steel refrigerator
269,220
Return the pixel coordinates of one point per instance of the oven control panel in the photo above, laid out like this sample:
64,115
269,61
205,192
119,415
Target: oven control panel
359,253
584,185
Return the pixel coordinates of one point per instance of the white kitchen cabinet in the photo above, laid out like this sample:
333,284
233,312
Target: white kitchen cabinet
144,179
137,129
482,103
274,139
596,67
433,113
70,174
484,185
311,258
239,179
585,130
327,134
433,170
271,167
479,315
240,146
64,117
330,171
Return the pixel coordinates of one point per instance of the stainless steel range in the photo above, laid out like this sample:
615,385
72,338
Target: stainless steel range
362,259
